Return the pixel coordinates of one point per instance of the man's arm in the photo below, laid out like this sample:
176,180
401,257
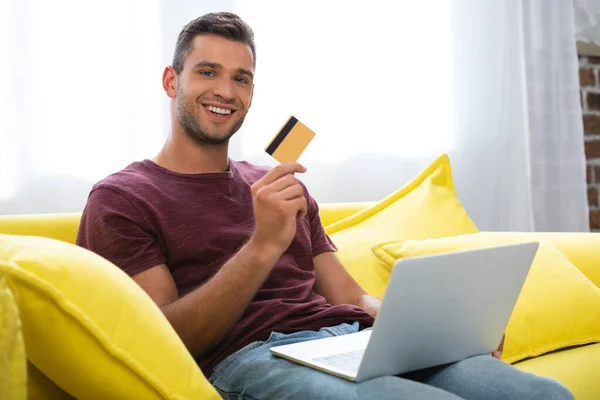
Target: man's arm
203,317
338,287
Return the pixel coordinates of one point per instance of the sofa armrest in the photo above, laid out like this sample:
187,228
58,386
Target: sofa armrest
582,249
55,226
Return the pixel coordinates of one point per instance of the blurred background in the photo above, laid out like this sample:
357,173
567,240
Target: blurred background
507,88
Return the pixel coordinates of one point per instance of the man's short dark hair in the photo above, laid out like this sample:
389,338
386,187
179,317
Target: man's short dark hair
224,24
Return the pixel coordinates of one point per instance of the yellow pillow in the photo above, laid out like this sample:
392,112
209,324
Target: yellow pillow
91,329
425,207
558,306
13,370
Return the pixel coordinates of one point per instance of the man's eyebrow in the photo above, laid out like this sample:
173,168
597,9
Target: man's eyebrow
243,71
208,64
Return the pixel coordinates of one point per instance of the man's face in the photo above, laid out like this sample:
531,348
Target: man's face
214,89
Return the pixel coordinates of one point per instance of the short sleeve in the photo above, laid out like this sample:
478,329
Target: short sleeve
320,241
114,228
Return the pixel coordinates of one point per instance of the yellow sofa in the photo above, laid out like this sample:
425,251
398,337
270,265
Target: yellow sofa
578,368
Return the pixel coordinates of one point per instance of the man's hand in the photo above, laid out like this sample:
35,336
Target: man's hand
370,304
498,353
278,200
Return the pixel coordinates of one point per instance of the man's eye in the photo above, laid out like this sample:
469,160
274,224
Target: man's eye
207,73
241,80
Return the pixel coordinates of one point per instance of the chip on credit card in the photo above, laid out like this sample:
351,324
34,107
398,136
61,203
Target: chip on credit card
290,141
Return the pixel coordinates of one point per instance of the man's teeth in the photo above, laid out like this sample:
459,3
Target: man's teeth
223,111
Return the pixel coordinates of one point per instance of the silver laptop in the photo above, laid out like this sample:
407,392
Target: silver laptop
436,310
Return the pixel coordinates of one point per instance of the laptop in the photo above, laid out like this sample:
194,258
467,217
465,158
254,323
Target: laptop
437,309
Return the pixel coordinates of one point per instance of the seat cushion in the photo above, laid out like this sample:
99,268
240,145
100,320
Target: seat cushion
558,306
426,207
91,329
577,368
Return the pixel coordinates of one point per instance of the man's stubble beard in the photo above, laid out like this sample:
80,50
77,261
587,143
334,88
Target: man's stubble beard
185,112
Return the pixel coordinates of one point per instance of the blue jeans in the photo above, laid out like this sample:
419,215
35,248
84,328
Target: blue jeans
254,373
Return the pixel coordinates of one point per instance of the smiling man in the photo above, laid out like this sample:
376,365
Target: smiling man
224,112
235,254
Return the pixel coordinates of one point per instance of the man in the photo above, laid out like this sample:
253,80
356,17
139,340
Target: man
235,255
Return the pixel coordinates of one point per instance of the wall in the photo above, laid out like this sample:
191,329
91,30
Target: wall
589,77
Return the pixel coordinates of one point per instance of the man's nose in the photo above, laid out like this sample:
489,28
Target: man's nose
224,88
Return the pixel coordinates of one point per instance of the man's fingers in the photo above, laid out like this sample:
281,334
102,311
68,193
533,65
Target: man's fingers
501,346
299,203
282,170
291,192
282,183
498,352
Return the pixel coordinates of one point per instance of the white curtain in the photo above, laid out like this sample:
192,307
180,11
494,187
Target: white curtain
520,115
387,86
81,97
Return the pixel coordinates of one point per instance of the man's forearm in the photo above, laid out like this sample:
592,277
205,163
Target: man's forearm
203,317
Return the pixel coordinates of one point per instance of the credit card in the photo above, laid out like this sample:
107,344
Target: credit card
291,141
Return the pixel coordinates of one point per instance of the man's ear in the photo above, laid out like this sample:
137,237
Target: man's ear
169,81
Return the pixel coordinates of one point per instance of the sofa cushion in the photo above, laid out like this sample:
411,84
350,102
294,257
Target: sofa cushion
91,329
13,370
577,368
425,207
558,306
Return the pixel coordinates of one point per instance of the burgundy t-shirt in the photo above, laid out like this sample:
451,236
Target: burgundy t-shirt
146,215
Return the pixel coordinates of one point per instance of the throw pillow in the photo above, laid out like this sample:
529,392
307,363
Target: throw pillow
13,370
91,329
40,387
426,207
558,306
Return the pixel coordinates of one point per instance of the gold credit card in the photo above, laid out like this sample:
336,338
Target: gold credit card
291,141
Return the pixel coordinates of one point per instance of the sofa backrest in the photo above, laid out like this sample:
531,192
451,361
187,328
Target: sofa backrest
64,226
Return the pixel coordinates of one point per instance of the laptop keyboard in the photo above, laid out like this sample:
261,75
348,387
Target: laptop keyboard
348,361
